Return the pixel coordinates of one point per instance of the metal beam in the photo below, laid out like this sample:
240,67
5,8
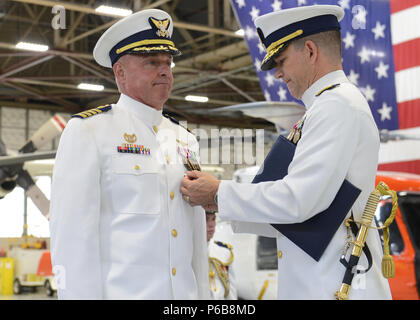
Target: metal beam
203,28
89,68
74,25
82,8
211,101
34,22
89,10
235,88
28,63
70,86
88,33
20,87
27,105
52,84
217,55
185,34
206,79
89,56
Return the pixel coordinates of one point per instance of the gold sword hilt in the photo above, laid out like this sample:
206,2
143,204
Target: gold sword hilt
366,222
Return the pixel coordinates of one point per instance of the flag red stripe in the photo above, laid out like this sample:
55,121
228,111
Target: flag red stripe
406,54
409,114
412,166
399,5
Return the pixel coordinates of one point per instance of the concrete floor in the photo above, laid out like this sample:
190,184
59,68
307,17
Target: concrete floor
28,294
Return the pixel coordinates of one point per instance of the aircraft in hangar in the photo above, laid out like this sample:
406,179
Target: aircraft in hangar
255,264
17,168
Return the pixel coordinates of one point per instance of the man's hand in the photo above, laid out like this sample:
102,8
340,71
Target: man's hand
199,188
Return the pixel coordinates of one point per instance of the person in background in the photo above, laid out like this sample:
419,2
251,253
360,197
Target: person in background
221,274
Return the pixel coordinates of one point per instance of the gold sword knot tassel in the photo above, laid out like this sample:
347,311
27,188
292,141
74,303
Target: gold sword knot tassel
388,269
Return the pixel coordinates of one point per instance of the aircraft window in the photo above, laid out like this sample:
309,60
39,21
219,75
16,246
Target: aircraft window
266,253
396,243
410,207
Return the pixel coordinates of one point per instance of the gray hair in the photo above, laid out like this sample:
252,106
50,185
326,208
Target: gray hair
329,42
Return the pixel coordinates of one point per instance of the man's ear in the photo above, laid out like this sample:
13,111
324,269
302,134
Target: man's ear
312,50
119,71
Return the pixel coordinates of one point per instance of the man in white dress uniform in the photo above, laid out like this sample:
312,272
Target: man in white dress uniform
221,274
120,228
336,139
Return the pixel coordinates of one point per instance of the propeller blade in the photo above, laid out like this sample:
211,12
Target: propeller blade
25,181
39,199
48,131
39,167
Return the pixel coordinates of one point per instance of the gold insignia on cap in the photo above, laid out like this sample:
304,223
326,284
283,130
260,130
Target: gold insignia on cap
162,26
130,138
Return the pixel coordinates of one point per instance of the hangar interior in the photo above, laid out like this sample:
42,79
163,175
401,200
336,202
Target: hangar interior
216,66
215,61
36,85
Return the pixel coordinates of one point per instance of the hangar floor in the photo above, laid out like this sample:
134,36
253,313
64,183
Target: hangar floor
38,295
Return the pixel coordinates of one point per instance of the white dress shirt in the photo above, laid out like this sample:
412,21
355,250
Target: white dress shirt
339,141
120,228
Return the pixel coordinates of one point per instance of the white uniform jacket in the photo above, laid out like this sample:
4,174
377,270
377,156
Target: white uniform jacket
120,228
339,141
220,251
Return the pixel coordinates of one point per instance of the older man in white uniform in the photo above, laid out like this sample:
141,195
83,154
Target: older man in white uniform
119,226
336,139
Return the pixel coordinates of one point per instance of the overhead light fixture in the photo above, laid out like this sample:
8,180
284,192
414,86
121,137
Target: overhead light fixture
91,87
172,65
197,98
114,11
240,32
31,46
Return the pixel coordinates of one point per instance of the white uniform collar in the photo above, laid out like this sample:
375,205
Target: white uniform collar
149,115
329,79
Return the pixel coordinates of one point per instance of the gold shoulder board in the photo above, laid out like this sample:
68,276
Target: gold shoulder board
92,112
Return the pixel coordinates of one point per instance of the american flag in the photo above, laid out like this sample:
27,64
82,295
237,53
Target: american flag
381,56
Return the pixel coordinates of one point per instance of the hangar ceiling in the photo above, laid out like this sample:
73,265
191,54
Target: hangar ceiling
215,61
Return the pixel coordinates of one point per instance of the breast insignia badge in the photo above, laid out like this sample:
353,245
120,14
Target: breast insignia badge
130,138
